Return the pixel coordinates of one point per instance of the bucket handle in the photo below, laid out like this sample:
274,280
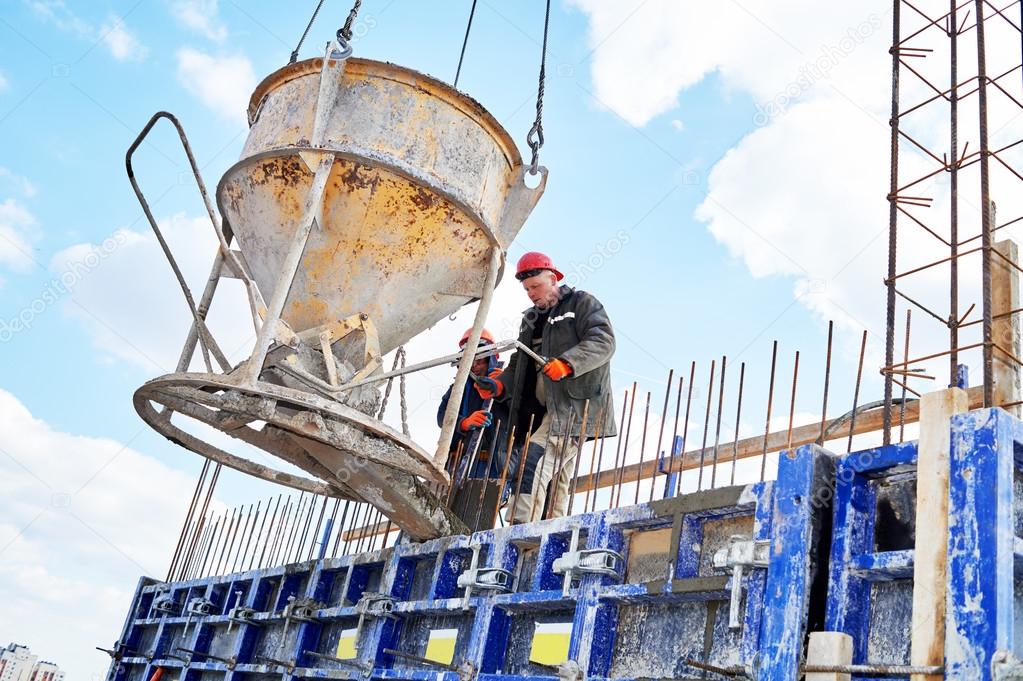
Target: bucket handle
519,204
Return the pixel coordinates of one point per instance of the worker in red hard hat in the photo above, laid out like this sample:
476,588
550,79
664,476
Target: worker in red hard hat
474,415
573,332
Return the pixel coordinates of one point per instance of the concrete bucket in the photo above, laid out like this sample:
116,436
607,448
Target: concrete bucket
369,203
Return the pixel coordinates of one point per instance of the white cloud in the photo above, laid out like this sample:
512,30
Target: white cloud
80,524
678,125
120,42
4,83
131,305
21,184
17,231
802,195
223,84
200,16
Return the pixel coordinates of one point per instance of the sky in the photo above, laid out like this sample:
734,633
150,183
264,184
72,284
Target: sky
718,174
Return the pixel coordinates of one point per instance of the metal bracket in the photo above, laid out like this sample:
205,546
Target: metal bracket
200,606
166,603
742,552
373,605
588,561
482,579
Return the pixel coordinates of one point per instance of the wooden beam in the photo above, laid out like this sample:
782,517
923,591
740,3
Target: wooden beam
867,422
930,559
827,649
1005,331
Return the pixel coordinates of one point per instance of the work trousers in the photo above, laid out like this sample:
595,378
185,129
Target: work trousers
553,470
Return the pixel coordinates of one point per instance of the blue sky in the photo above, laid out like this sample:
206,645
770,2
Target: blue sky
734,231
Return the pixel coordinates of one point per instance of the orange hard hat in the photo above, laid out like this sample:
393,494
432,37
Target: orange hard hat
534,262
484,336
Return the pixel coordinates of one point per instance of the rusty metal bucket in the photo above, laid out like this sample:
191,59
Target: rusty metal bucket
424,183
370,202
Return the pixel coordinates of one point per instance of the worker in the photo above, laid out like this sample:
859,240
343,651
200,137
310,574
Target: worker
571,329
474,415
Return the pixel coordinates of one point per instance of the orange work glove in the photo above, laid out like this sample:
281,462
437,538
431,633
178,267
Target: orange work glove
557,369
477,419
487,387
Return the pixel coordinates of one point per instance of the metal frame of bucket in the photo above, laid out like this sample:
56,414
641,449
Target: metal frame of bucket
351,454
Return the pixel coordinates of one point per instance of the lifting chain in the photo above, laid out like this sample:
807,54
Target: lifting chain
535,137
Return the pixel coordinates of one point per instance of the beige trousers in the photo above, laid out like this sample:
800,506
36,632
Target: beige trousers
528,506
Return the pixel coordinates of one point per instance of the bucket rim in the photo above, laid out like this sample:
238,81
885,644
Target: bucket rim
401,74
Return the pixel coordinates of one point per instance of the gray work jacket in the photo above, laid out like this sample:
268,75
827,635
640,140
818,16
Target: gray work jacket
579,332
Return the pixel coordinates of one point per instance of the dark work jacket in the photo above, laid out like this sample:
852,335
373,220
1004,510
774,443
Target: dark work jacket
471,401
579,332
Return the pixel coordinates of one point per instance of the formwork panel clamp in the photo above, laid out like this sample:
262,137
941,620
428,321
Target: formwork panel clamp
605,562
741,553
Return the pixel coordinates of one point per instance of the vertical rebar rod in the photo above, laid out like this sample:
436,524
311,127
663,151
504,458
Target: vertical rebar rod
738,417
660,433
792,403
563,441
187,525
296,522
953,171
905,379
717,428
262,526
642,449
685,426
454,472
856,389
210,550
341,528
316,531
985,206
221,546
504,475
305,529
252,532
523,453
594,474
486,479
573,482
600,462
770,403
186,568
893,219
618,451
674,432
625,445
827,383
266,537
233,564
706,425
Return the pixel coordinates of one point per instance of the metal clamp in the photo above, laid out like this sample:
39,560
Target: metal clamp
606,562
166,603
486,579
240,613
200,606
375,605
482,579
742,552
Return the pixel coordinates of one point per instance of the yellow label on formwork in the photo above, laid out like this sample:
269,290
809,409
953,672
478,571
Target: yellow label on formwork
346,645
441,646
550,642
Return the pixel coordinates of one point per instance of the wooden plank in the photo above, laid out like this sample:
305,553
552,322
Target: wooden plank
930,559
829,648
867,422
1005,331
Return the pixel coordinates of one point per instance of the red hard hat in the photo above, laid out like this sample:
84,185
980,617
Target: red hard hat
484,336
533,263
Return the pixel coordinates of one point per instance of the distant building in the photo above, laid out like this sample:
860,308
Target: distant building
17,663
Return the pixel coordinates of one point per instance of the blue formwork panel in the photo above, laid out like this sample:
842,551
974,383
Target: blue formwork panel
634,593
870,589
984,598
